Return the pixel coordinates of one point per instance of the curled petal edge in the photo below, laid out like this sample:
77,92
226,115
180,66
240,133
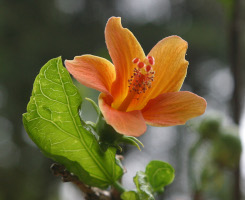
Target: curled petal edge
126,123
92,71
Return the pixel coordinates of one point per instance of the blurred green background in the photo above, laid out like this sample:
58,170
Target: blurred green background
32,32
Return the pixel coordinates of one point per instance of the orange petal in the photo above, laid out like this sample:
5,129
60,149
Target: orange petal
173,108
170,69
126,123
92,71
123,48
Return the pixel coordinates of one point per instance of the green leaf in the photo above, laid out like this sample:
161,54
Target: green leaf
131,140
130,195
96,107
159,174
53,123
143,187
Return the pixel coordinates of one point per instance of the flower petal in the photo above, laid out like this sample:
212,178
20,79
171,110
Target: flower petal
126,123
123,48
173,108
170,69
92,71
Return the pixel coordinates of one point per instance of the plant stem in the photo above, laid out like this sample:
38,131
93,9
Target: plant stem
118,186
195,187
90,193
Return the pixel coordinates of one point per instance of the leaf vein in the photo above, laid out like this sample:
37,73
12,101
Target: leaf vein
78,131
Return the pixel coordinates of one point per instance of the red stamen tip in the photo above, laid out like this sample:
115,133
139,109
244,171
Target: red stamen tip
135,60
141,64
151,60
148,68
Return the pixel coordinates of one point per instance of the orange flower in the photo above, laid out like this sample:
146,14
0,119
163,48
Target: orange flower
139,89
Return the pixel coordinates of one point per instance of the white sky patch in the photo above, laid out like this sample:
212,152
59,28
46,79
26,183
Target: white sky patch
221,84
71,6
68,191
143,11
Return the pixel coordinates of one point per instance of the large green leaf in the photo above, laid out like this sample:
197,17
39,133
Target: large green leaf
159,174
53,123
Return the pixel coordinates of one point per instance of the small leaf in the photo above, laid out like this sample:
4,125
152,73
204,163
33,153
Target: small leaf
97,109
143,187
159,174
53,123
130,195
131,140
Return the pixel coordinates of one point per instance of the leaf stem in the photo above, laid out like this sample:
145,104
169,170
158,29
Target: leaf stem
119,187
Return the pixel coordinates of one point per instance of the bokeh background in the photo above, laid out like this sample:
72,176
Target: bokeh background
205,153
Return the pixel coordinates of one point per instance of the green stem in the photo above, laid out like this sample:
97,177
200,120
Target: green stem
192,153
119,187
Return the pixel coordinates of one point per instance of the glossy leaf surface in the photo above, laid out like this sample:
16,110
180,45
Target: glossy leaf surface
159,174
143,187
132,195
53,123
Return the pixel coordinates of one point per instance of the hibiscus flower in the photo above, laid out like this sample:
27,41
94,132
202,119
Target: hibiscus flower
137,89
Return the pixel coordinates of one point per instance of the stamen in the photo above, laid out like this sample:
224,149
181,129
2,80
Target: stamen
140,80
142,77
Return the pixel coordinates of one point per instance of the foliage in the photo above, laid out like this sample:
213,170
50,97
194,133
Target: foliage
226,151
157,175
210,127
222,148
33,31
52,121
54,124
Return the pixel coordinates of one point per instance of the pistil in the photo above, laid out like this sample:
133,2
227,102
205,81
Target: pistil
140,81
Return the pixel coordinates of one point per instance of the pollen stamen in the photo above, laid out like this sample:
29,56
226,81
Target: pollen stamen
140,80
143,75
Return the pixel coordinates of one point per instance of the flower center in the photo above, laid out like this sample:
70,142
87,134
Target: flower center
143,75
140,81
